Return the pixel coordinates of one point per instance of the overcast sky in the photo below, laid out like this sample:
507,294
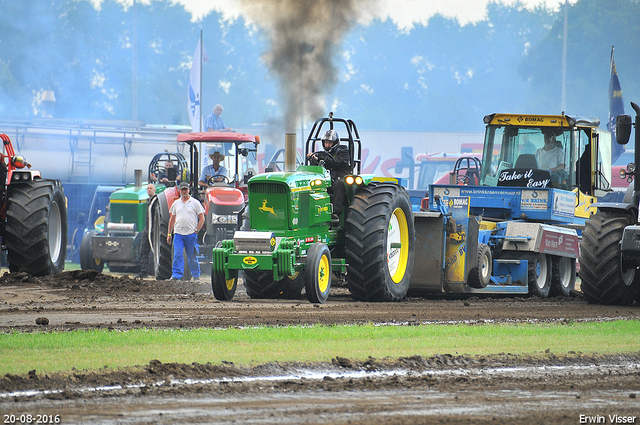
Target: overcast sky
403,12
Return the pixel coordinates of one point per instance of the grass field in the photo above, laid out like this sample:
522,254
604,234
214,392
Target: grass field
90,350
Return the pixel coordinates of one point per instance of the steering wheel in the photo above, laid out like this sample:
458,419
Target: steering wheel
322,155
212,181
463,179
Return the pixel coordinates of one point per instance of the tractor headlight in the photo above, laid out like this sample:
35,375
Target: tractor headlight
349,179
631,167
224,219
20,177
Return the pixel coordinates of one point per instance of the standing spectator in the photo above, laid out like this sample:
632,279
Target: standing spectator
145,247
213,170
186,219
214,120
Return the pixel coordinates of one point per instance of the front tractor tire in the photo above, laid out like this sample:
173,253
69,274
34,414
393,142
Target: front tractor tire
162,252
317,273
87,260
380,243
604,279
36,227
224,289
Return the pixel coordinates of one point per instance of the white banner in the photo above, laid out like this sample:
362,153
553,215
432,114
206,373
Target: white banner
194,95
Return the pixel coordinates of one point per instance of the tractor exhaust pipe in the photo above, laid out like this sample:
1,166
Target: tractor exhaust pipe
290,146
137,176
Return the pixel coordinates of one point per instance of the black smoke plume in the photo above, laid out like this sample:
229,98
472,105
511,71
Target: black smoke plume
305,36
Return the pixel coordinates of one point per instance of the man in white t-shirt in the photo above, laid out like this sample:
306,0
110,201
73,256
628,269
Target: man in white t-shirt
550,157
185,221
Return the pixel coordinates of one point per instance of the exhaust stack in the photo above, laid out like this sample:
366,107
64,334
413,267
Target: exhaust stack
290,146
137,176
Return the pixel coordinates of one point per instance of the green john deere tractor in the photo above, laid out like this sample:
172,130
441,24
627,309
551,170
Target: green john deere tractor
115,237
288,241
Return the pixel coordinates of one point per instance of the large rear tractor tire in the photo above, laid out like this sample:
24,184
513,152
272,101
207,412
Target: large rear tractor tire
87,261
36,228
293,285
261,285
604,280
379,243
162,252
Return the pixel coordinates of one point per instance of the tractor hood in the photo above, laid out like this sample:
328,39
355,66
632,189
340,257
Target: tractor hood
284,202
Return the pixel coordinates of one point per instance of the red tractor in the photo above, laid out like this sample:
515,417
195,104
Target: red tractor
33,216
223,200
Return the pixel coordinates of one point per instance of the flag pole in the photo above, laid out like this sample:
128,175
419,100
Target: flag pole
201,58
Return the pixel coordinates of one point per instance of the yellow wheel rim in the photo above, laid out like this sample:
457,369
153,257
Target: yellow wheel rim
230,283
397,245
324,272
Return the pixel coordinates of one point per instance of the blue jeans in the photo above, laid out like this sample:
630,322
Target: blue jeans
188,243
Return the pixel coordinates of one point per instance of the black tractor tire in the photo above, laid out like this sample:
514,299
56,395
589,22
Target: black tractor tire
563,276
603,278
223,289
480,275
87,261
317,273
162,252
36,227
379,225
261,285
293,286
539,274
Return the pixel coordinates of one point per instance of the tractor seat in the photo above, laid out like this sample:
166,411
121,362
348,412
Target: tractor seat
526,160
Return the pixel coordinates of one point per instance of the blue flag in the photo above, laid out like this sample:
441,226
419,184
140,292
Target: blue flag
616,107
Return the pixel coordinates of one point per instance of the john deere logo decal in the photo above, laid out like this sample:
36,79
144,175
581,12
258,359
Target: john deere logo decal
250,260
265,208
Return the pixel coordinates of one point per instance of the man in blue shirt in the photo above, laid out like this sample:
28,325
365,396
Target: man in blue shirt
213,170
214,121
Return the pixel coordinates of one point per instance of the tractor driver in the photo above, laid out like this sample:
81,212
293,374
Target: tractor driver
550,157
214,171
336,159
163,176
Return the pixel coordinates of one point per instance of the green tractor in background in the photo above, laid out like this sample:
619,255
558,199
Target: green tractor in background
288,241
116,236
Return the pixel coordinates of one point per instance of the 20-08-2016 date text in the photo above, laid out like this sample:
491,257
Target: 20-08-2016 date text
31,419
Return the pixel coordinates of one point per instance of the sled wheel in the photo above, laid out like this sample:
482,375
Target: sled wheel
539,273
87,261
379,243
36,227
480,275
563,276
604,278
317,273
224,289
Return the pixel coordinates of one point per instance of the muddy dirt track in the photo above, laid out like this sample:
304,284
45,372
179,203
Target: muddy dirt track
550,388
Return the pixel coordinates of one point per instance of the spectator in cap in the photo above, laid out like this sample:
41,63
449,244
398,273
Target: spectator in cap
186,218
214,171
214,121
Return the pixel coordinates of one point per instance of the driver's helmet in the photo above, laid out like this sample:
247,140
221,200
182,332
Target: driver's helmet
331,135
